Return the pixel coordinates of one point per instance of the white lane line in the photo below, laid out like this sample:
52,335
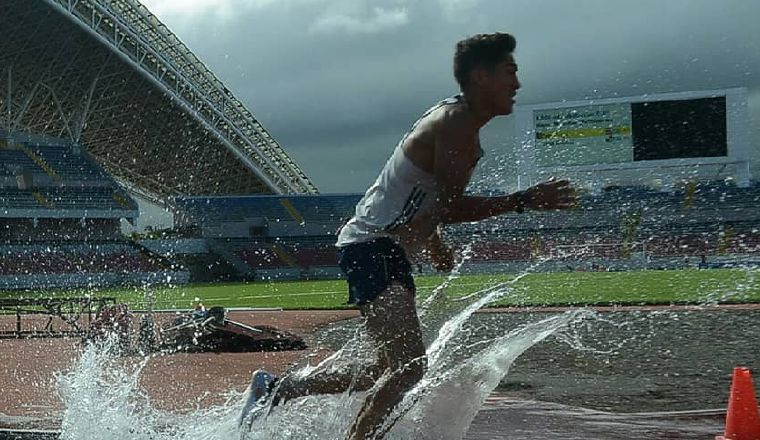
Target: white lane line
332,292
326,292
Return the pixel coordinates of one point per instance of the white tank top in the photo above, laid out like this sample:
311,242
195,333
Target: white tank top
401,192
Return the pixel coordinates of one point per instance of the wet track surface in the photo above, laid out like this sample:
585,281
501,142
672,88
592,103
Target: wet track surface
519,420
640,361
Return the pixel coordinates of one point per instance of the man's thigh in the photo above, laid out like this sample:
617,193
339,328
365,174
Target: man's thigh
394,327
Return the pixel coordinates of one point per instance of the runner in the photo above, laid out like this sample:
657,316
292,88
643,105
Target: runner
420,189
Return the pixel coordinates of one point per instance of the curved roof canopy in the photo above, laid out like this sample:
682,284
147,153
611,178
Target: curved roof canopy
108,75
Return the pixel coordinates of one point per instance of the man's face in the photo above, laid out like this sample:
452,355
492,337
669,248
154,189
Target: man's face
501,84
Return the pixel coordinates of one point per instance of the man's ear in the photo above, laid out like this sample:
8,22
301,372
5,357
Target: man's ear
478,76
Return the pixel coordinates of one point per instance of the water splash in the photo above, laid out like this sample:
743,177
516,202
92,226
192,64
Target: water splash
103,399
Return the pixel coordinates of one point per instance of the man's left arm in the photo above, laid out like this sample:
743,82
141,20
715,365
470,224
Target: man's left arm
550,195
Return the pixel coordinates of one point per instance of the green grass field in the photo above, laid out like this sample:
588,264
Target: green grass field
541,289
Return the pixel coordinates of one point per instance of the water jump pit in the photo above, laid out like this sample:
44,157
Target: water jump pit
545,394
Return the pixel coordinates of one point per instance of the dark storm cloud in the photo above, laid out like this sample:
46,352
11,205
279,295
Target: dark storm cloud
338,82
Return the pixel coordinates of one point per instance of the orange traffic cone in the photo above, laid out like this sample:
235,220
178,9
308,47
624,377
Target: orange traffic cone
742,418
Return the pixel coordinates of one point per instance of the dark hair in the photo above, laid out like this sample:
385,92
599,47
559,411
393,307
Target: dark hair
482,50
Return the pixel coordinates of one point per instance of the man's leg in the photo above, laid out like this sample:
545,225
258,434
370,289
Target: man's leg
332,376
365,266
393,326
346,370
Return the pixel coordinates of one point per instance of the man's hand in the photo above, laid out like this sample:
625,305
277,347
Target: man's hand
441,255
553,194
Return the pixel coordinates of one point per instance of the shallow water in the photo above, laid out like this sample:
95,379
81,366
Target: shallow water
103,398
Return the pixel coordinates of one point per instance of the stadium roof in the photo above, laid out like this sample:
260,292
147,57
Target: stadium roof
108,75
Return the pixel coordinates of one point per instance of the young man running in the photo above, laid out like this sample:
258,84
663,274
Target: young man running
420,188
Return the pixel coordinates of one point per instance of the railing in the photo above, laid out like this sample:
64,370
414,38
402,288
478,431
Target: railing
71,313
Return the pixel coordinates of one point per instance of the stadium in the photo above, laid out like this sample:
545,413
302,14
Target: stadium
122,110
104,110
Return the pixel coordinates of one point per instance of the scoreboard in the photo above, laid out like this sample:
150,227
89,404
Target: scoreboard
666,132
583,135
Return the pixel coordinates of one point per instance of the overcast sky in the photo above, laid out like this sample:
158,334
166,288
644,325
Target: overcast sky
337,82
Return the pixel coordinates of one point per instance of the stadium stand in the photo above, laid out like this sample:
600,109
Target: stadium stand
270,237
60,221
266,237
134,104
208,212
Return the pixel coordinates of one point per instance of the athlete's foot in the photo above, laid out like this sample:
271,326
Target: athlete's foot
257,396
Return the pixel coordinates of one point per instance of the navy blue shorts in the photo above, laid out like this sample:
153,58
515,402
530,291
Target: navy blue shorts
370,268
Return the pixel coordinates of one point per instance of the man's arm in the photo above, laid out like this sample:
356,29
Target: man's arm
455,145
465,209
440,254
550,195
